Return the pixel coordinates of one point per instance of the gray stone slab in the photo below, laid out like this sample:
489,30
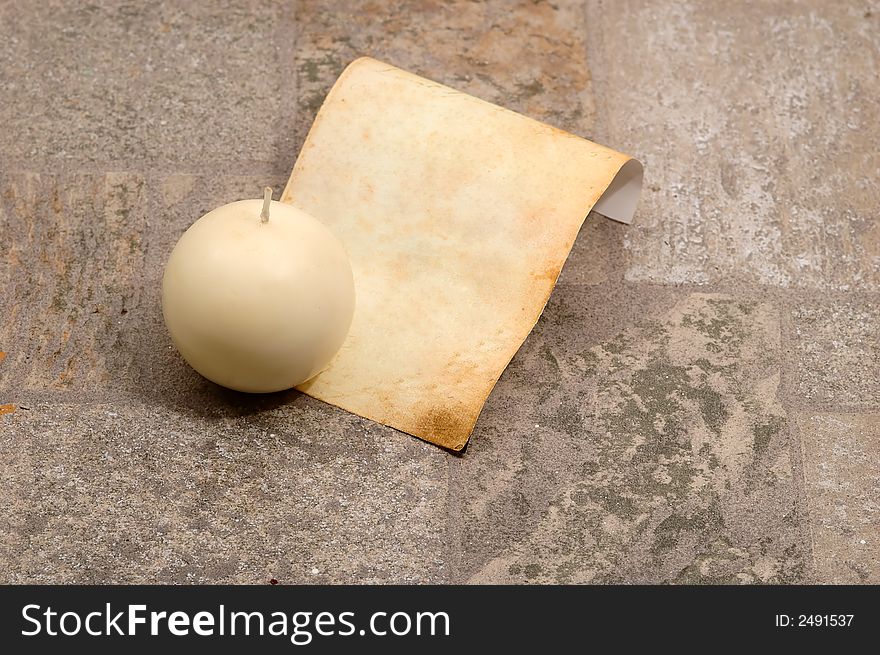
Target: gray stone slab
293,490
837,351
757,125
638,435
150,84
74,264
524,55
660,455
842,471
590,259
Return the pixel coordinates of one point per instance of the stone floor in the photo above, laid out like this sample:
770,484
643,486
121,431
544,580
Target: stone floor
700,402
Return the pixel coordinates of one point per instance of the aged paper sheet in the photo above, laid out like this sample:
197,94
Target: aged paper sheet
457,216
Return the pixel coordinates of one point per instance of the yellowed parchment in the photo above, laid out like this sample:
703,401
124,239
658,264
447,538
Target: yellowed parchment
457,216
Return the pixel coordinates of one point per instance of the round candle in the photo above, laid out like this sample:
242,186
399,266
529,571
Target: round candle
258,296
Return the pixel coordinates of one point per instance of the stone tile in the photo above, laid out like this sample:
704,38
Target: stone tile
151,83
660,455
842,472
524,55
522,443
85,259
754,123
74,257
837,351
293,490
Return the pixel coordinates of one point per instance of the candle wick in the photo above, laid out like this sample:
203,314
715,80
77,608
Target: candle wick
267,200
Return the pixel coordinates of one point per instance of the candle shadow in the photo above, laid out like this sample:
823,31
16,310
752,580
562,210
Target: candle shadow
229,402
153,372
204,399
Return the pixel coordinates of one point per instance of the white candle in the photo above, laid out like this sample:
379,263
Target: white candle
258,296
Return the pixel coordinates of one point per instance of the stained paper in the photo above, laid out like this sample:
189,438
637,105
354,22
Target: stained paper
457,216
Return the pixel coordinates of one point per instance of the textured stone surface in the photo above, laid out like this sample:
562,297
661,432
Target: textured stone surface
756,134
74,263
589,261
144,83
644,431
842,470
294,491
838,351
525,55
669,451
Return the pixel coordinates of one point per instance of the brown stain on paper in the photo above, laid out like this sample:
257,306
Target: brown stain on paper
448,428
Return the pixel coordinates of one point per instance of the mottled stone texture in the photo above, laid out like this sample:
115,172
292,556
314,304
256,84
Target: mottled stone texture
74,263
842,469
141,83
838,351
757,135
525,55
296,491
676,463
699,402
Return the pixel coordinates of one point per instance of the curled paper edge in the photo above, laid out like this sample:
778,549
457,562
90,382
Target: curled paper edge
620,199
